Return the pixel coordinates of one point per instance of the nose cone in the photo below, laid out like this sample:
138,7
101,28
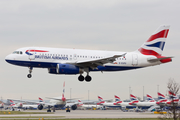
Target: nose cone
8,58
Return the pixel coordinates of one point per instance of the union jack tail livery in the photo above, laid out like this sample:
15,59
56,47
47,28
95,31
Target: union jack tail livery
134,100
63,98
40,99
149,98
173,98
161,99
155,44
100,98
117,98
160,96
12,103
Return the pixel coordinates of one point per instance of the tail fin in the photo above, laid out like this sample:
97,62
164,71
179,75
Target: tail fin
133,98
160,96
155,44
63,98
117,98
12,103
40,99
100,98
173,96
149,98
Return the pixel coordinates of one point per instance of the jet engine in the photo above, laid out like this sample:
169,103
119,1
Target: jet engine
65,69
73,107
40,107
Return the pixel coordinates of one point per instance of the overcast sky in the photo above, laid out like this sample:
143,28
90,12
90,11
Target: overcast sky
113,25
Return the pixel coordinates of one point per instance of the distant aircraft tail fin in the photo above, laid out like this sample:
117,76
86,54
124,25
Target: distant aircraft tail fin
155,44
133,98
160,96
63,98
40,99
149,98
117,98
100,98
173,97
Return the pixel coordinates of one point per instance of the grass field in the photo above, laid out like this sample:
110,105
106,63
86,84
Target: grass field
19,112
56,118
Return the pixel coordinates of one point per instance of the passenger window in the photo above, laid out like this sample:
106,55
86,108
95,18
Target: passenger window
20,52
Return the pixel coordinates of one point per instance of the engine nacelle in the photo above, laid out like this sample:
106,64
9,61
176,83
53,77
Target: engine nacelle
52,71
68,69
73,107
65,69
40,107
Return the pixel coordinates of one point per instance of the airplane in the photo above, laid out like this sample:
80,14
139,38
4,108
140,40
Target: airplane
55,102
104,103
88,106
134,100
123,105
2,105
161,99
32,106
149,98
78,61
144,105
15,105
173,99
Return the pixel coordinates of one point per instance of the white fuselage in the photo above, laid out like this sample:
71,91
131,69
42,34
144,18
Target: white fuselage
49,57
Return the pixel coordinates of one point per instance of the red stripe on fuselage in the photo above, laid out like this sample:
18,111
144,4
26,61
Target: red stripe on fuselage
161,34
36,51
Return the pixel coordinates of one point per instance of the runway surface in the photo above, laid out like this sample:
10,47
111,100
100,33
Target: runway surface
94,114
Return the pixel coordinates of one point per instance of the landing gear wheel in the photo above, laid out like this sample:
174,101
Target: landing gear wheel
29,75
81,78
88,78
48,110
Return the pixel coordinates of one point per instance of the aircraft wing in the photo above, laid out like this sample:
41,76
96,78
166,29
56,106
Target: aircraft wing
43,103
93,63
26,101
60,99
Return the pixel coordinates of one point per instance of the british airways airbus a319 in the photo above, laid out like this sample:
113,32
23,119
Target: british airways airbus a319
78,61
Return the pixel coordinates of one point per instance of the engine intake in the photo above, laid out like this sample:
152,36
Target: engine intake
40,107
74,107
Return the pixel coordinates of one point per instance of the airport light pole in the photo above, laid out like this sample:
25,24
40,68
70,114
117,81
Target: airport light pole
129,92
70,94
157,90
88,98
143,93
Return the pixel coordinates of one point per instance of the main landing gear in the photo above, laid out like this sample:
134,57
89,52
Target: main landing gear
30,71
87,78
49,108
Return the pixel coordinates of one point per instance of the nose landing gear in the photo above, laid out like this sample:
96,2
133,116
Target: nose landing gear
30,71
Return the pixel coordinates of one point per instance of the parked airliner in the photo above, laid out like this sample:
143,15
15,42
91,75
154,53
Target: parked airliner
77,61
55,102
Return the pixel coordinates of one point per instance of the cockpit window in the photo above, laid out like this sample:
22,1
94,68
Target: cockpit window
17,52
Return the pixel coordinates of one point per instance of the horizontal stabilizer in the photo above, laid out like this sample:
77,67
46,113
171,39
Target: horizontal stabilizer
157,59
